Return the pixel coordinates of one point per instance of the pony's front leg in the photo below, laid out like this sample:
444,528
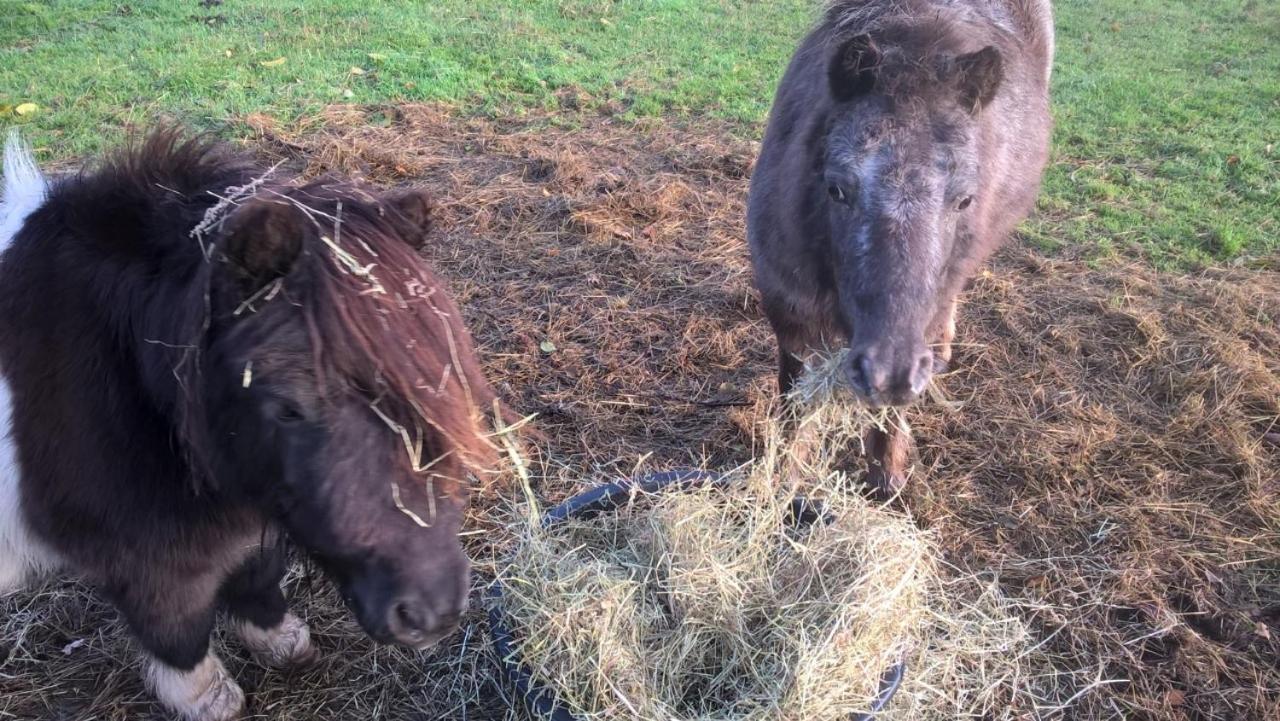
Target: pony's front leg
205,692
172,624
888,454
946,335
261,618
790,368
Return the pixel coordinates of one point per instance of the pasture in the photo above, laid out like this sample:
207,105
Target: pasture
1110,462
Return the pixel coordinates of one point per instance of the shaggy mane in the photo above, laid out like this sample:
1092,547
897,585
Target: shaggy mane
381,323
919,38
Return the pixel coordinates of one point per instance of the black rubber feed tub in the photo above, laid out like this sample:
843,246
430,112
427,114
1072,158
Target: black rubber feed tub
540,701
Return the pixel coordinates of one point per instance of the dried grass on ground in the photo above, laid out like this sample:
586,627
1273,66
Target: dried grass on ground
1112,464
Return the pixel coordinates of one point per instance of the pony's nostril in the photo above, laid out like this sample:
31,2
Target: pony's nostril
409,620
922,373
859,374
870,376
413,622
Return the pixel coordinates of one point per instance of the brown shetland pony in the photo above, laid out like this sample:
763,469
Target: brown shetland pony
200,361
906,141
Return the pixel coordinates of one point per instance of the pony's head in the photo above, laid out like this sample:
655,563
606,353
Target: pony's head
901,170
336,386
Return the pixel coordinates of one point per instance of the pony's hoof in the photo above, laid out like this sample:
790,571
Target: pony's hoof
222,701
885,485
287,645
205,693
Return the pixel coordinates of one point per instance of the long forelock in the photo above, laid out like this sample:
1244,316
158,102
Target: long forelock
383,326
381,323
917,39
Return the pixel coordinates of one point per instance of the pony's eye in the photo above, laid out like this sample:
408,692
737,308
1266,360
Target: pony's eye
838,194
287,414
965,202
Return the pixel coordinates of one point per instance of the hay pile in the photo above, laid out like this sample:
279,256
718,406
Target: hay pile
710,604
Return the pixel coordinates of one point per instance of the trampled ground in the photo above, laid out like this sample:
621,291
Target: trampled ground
1111,462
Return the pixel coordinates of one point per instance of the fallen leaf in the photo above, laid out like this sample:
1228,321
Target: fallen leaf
24,109
272,63
547,346
69,648
356,71
1175,698
1233,160
377,57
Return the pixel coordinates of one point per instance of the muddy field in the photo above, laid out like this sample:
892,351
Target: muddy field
1109,454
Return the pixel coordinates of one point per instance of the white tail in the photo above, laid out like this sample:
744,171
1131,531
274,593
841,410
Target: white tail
22,555
24,188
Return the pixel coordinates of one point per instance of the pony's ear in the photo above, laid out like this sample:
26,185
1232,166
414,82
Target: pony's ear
414,209
979,75
263,240
852,70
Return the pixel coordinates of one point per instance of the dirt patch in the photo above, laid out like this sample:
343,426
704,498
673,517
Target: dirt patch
1112,462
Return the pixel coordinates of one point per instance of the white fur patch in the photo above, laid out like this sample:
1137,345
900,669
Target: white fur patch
25,189
869,172
21,554
205,693
287,644
869,185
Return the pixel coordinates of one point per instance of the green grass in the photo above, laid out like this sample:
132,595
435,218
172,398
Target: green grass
1168,141
1168,136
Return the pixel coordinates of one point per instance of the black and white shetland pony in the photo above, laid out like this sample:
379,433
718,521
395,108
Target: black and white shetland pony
198,362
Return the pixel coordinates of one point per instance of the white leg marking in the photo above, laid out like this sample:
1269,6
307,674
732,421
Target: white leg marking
287,644
205,693
22,555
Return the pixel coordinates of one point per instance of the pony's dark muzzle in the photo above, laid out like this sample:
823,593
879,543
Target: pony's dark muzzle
418,622
883,376
415,613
